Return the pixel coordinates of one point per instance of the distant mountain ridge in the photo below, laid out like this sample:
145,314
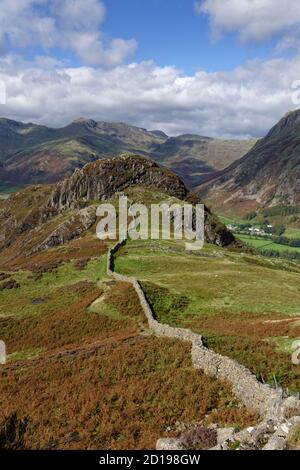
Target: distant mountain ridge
268,175
34,154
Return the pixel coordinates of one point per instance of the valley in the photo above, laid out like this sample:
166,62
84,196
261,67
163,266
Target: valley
270,239
66,322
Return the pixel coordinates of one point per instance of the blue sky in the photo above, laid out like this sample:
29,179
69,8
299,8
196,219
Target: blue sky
172,33
213,67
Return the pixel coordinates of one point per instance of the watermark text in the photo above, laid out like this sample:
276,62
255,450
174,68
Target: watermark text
159,222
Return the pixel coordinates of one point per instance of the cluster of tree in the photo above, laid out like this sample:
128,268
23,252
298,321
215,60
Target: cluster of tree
266,227
276,230
293,242
242,227
290,255
281,211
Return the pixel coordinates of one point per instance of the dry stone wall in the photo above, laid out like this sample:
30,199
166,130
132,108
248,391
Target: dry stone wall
257,397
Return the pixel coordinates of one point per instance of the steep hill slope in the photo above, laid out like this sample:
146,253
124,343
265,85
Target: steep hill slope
45,216
269,175
33,154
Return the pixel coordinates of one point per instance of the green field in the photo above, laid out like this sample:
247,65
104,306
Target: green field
292,233
227,220
261,243
215,280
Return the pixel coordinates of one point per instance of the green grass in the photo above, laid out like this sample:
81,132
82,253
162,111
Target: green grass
20,302
224,282
25,355
230,298
228,220
292,233
260,243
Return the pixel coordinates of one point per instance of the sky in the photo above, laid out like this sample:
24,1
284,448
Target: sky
221,68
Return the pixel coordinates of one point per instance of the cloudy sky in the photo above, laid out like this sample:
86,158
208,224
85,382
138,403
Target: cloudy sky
214,67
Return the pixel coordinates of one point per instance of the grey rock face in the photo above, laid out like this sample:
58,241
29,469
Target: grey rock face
225,434
78,223
104,178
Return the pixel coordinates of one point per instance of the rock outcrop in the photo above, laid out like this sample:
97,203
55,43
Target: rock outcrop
102,179
73,227
99,181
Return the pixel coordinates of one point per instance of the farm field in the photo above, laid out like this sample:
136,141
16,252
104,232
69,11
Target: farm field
292,233
260,243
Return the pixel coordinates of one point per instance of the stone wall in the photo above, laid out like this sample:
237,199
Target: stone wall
257,397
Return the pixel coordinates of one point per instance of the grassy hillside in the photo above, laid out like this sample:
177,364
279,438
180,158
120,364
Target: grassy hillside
83,367
247,307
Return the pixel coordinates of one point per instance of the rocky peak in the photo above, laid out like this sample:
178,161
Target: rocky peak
101,179
290,122
86,122
96,181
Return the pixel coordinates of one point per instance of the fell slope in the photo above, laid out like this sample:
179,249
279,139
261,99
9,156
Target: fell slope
33,154
41,216
268,175
112,385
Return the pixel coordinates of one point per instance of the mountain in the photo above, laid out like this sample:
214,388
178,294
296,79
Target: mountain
194,158
44,216
33,154
267,176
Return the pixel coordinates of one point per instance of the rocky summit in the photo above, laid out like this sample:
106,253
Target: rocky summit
104,178
41,217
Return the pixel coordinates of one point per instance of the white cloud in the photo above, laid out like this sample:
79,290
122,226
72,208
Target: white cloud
253,20
244,102
72,25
